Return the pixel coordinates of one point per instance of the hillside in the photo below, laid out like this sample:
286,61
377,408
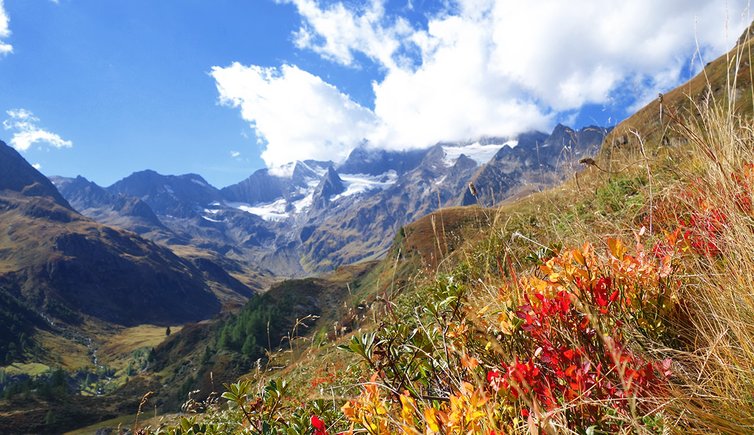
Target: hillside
616,302
64,265
69,284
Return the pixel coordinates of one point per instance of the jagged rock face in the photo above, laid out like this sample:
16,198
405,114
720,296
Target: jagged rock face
62,264
302,174
290,183
330,186
364,160
171,195
313,216
261,186
135,207
118,210
82,193
537,159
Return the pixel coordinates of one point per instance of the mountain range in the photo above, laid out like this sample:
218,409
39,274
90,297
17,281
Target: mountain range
60,265
313,216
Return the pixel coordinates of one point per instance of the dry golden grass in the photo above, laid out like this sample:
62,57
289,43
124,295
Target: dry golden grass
715,389
437,235
62,352
119,346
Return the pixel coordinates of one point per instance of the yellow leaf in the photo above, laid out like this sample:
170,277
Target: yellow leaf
546,268
407,408
616,248
538,284
506,327
349,411
430,415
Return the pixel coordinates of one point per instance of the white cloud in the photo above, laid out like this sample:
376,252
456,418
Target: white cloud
36,166
23,125
296,114
453,94
479,67
567,54
337,32
5,48
235,154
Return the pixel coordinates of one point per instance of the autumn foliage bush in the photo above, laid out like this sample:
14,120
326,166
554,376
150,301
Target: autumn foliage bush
553,351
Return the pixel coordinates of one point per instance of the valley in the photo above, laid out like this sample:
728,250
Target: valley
375,276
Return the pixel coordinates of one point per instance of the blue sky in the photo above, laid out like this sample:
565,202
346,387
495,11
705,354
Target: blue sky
103,88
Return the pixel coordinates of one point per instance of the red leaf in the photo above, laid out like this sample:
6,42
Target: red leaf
318,425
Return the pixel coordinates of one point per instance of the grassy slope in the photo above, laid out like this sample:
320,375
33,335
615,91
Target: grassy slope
647,163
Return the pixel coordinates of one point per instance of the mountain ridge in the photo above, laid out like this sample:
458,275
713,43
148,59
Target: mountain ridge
308,216
58,261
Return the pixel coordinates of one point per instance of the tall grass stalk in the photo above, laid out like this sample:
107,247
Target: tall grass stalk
715,388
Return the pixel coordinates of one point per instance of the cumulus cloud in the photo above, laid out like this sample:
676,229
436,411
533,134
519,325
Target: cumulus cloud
338,33
26,132
36,166
5,48
296,114
478,67
570,54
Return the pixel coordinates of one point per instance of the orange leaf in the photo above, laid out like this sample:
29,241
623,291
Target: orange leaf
579,257
616,248
469,362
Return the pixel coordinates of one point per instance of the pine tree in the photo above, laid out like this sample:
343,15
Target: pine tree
207,355
249,346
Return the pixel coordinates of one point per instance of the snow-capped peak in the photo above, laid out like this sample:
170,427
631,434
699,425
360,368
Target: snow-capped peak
359,183
481,154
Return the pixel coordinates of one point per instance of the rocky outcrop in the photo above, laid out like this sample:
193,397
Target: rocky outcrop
63,265
330,185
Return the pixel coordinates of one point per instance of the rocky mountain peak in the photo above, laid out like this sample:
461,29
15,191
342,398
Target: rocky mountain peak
563,136
302,174
372,161
463,163
17,175
311,209
261,186
81,193
330,185
434,159
525,143
174,195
